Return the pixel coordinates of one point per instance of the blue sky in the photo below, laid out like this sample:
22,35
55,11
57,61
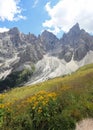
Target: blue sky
56,16
34,14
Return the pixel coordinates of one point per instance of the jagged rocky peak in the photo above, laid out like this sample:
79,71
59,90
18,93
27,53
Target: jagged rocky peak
16,37
31,38
49,40
73,36
14,30
75,29
31,35
78,42
73,33
46,34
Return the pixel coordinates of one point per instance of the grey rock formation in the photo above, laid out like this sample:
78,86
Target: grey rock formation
49,41
77,40
17,49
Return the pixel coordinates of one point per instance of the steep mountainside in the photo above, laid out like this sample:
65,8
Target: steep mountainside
76,43
44,57
17,50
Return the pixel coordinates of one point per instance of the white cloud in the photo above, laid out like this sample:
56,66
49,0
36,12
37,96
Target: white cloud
19,17
10,10
35,3
66,13
4,29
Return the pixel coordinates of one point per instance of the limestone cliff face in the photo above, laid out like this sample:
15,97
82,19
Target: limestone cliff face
77,43
46,52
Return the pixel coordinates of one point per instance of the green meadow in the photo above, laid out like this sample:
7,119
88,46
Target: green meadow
56,104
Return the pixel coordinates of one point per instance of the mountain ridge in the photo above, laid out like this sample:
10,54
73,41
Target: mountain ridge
50,56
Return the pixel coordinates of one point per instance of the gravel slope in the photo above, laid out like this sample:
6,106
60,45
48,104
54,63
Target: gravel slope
86,124
50,67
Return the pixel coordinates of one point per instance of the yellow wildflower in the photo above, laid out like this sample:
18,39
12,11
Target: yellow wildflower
2,106
39,110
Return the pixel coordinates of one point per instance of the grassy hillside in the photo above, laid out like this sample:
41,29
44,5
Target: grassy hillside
56,104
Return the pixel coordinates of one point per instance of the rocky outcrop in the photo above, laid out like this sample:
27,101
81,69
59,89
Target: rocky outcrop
18,49
49,41
77,40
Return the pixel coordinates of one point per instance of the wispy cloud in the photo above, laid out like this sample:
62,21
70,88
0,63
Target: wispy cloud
66,13
35,3
10,10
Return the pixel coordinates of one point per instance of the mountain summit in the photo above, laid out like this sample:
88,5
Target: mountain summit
49,40
75,29
14,31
